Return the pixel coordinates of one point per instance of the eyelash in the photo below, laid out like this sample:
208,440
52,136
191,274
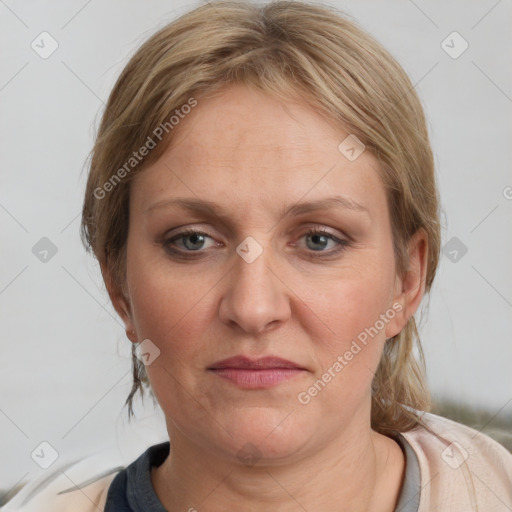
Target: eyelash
342,244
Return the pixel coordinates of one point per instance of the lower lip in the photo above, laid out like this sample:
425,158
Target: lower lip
257,379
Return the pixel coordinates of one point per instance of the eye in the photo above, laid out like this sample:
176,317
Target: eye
187,241
318,239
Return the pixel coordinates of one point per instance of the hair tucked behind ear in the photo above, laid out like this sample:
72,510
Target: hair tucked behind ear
289,49
399,388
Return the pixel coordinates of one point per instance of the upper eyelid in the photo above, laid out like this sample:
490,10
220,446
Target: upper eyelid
308,226
202,231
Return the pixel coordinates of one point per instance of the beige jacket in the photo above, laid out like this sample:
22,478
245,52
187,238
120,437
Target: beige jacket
461,470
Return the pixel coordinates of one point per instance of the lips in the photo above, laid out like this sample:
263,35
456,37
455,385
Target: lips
262,373
263,363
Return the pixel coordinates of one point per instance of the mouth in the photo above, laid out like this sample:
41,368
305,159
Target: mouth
259,373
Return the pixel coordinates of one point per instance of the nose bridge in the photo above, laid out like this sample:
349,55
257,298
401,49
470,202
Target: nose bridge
253,267
255,297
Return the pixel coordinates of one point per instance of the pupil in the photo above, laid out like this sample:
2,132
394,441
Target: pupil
316,238
196,239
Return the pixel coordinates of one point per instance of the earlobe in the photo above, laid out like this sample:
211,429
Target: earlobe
411,287
120,302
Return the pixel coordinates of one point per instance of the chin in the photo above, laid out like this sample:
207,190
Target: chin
262,435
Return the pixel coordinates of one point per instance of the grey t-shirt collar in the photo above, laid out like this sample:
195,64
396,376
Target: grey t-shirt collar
409,499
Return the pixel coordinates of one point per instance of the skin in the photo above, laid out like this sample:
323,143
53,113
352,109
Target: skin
254,155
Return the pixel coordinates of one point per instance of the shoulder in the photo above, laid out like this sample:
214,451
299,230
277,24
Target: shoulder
461,468
74,487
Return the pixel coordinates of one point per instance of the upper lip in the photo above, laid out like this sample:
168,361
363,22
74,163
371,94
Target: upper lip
247,363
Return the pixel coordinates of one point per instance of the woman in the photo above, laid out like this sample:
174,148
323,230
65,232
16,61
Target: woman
262,202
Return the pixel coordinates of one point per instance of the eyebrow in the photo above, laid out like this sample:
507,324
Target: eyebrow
209,208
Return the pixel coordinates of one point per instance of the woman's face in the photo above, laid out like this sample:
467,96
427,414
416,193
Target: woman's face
252,176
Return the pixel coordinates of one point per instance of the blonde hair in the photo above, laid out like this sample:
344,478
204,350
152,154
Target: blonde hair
285,48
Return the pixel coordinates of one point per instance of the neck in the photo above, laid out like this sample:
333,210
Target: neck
357,473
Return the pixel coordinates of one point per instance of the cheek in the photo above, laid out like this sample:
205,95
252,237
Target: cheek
172,309
346,305
345,323
174,314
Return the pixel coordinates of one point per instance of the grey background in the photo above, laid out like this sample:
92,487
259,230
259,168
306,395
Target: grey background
64,359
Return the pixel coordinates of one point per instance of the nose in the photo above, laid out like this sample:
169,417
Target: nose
256,299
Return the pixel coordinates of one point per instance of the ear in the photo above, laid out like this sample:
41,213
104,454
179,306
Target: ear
120,302
410,288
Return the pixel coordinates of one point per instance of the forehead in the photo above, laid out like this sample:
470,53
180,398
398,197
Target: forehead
246,146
